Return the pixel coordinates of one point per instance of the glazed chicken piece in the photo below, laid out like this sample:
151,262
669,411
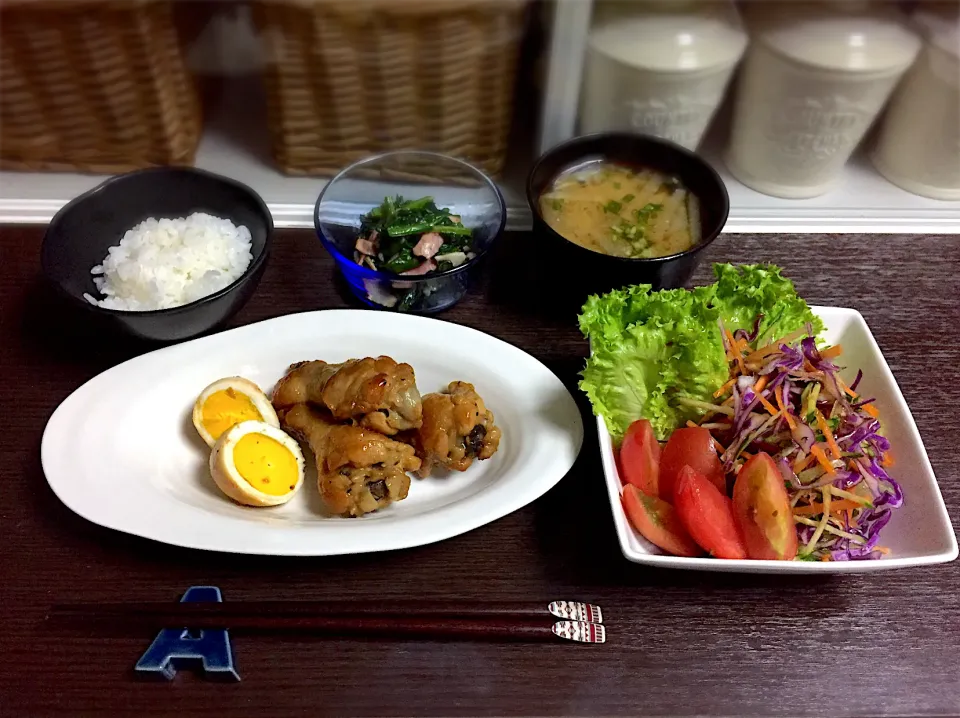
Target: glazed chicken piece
378,394
457,428
358,471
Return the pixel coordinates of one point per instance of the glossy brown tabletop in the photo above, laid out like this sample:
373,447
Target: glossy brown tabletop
679,642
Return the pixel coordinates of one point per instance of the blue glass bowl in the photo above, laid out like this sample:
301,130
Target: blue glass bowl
452,183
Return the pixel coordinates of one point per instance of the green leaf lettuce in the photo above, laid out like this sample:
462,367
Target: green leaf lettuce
650,348
746,291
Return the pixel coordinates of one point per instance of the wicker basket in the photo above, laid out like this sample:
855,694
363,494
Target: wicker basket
93,85
347,78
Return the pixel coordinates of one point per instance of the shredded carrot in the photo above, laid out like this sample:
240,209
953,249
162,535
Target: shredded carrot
762,352
768,406
828,435
825,557
727,401
888,460
871,410
800,464
847,389
882,549
761,382
691,425
723,389
783,410
735,350
836,507
809,367
832,352
775,345
822,458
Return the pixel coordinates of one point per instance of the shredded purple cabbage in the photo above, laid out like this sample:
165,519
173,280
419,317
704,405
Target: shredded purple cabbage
856,382
807,385
750,336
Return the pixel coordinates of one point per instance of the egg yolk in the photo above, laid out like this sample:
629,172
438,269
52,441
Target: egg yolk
266,464
226,408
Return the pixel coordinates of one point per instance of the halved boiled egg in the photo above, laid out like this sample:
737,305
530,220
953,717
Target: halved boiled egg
257,464
226,403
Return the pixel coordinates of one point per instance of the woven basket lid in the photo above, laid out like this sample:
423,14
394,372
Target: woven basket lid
394,8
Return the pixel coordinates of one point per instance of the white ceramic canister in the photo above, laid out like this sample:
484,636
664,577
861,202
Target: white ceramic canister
918,146
659,67
816,77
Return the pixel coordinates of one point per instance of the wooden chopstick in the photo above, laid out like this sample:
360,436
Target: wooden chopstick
247,616
187,613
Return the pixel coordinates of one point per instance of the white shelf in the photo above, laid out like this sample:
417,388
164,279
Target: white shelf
863,202
234,145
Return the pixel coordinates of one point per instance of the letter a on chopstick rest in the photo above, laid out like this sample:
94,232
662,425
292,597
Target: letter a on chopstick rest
176,648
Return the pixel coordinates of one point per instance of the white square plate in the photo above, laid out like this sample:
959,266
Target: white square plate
918,533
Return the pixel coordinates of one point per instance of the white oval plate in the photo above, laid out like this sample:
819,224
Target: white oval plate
121,451
919,533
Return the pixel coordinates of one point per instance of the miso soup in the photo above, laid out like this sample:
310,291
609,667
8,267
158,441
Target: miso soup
622,211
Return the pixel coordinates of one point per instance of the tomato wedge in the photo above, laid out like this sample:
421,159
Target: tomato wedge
657,521
640,457
693,447
708,515
762,509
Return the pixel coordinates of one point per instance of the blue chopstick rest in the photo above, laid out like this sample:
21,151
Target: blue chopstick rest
174,649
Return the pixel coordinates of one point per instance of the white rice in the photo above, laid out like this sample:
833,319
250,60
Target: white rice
163,263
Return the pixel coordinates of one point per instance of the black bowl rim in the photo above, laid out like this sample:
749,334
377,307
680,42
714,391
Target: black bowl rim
631,137
250,270
368,273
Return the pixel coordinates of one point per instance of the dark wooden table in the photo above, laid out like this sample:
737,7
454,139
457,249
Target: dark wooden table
681,643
